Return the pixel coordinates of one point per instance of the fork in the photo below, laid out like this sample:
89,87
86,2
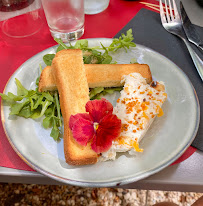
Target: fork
172,23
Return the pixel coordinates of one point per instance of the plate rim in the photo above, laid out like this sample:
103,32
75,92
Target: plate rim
111,183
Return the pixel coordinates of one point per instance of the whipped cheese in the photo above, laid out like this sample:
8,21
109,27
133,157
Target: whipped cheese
137,107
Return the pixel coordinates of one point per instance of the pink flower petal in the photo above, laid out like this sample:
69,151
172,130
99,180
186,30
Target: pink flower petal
109,129
74,118
83,131
98,109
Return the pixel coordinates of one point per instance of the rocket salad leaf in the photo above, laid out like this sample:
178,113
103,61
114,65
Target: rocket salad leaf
96,93
91,55
34,104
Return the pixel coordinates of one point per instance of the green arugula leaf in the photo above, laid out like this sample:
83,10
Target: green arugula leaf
45,105
58,108
96,93
50,110
38,101
81,44
11,98
46,122
36,113
26,111
60,42
48,59
48,96
107,60
124,41
21,91
59,48
55,133
16,107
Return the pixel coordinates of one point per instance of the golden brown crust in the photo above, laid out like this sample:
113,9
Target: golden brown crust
110,75
71,81
47,81
98,75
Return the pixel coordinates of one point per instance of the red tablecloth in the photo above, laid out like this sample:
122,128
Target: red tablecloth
15,51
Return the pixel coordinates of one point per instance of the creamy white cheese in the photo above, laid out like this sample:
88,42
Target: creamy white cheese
137,107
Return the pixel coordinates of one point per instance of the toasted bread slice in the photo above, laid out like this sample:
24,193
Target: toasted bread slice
110,75
98,75
71,81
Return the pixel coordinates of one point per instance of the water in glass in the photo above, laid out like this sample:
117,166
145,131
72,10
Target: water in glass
65,18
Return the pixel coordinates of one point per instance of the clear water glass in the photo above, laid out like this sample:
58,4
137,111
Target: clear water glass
65,18
20,18
95,6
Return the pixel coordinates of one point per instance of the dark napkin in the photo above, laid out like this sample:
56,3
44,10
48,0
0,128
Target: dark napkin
148,31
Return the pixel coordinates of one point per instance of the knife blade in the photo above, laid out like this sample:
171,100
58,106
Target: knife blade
189,28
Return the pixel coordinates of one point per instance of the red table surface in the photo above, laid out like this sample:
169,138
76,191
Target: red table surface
15,51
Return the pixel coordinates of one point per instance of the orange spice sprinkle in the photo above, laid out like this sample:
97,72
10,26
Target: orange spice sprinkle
126,89
134,131
120,140
132,143
130,106
124,127
161,113
144,107
126,99
141,125
157,108
118,100
123,101
139,110
135,122
145,115
135,145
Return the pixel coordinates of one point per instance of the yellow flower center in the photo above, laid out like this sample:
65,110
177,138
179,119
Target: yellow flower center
96,125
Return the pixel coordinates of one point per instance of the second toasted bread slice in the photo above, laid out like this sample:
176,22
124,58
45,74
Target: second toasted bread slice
98,75
71,82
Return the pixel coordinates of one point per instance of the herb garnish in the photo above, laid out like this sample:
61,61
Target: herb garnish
34,104
91,55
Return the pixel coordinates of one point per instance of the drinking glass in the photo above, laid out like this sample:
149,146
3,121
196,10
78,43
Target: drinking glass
21,18
65,18
95,6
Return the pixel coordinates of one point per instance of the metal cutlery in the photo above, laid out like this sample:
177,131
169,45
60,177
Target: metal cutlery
189,28
172,23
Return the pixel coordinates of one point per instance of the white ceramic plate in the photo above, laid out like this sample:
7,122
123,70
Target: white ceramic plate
168,137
